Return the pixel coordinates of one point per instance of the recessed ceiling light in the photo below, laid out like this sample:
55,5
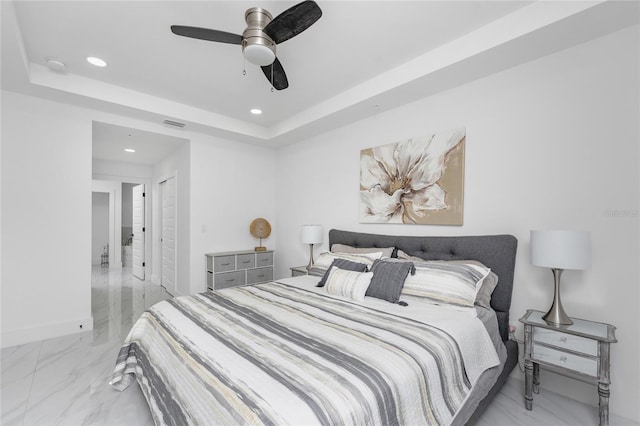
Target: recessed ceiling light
256,111
130,150
96,61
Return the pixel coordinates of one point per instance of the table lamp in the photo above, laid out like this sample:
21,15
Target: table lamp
311,234
560,250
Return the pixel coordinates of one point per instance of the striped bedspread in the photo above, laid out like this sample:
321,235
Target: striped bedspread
277,354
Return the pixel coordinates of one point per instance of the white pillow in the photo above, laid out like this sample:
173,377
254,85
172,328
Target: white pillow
446,283
349,284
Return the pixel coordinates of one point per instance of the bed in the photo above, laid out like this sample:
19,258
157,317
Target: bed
288,352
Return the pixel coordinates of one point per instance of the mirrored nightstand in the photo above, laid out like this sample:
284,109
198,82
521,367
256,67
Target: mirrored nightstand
579,350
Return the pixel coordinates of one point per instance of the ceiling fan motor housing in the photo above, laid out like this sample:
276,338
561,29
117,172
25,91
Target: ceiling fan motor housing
258,47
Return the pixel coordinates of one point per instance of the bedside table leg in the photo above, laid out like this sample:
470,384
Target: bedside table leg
528,384
603,404
536,378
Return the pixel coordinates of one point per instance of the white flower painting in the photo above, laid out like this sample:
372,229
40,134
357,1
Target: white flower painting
417,181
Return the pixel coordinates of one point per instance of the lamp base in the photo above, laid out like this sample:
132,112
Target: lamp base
556,314
310,265
260,248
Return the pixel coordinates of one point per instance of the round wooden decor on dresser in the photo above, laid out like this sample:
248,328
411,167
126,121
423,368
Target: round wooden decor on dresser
260,228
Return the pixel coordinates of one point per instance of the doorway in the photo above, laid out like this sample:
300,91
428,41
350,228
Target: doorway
100,229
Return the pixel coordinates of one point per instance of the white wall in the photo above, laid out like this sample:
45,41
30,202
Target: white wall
46,219
121,171
231,184
99,225
550,144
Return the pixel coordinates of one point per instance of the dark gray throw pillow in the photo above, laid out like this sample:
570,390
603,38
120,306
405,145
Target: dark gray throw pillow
388,279
342,264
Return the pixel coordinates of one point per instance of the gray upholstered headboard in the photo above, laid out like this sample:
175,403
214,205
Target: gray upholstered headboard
498,252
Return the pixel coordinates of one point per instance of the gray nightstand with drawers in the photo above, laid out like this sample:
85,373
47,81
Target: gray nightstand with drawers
579,350
235,268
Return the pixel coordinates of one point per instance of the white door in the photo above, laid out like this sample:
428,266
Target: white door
168,237
138,229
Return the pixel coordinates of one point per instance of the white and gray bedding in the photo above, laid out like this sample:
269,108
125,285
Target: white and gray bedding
289,353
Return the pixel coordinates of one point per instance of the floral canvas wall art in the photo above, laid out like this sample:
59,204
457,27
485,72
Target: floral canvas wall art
416,181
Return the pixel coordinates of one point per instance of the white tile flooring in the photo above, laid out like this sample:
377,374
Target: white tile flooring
63,381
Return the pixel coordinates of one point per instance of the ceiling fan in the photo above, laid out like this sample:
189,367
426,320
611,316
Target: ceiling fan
261,36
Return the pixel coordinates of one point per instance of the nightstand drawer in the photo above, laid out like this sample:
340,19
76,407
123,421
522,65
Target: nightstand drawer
229,279
565,341
224,263
588,366
259,275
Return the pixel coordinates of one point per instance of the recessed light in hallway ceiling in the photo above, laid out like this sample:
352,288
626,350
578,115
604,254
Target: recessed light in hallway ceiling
96,61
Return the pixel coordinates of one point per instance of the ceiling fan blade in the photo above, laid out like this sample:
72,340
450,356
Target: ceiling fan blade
206,34
293,21
279,76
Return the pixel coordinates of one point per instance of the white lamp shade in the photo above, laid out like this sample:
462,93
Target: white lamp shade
311,234
561,249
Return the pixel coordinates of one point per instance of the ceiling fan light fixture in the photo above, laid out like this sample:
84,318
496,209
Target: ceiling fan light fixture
259,54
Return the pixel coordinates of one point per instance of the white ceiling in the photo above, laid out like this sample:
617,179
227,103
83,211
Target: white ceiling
110,142
360,58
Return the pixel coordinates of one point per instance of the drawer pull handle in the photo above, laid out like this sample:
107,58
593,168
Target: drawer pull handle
261,276
563,339
226,264
246,261
563,359
231,280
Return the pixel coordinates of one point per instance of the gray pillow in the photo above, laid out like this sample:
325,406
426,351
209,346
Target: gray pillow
388,279
342,264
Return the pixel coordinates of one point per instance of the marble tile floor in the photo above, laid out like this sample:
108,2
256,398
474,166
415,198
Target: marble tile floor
63,381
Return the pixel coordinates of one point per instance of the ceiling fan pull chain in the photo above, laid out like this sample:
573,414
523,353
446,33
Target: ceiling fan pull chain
271,78
244,65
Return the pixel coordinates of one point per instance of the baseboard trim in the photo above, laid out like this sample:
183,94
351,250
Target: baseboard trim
45,331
